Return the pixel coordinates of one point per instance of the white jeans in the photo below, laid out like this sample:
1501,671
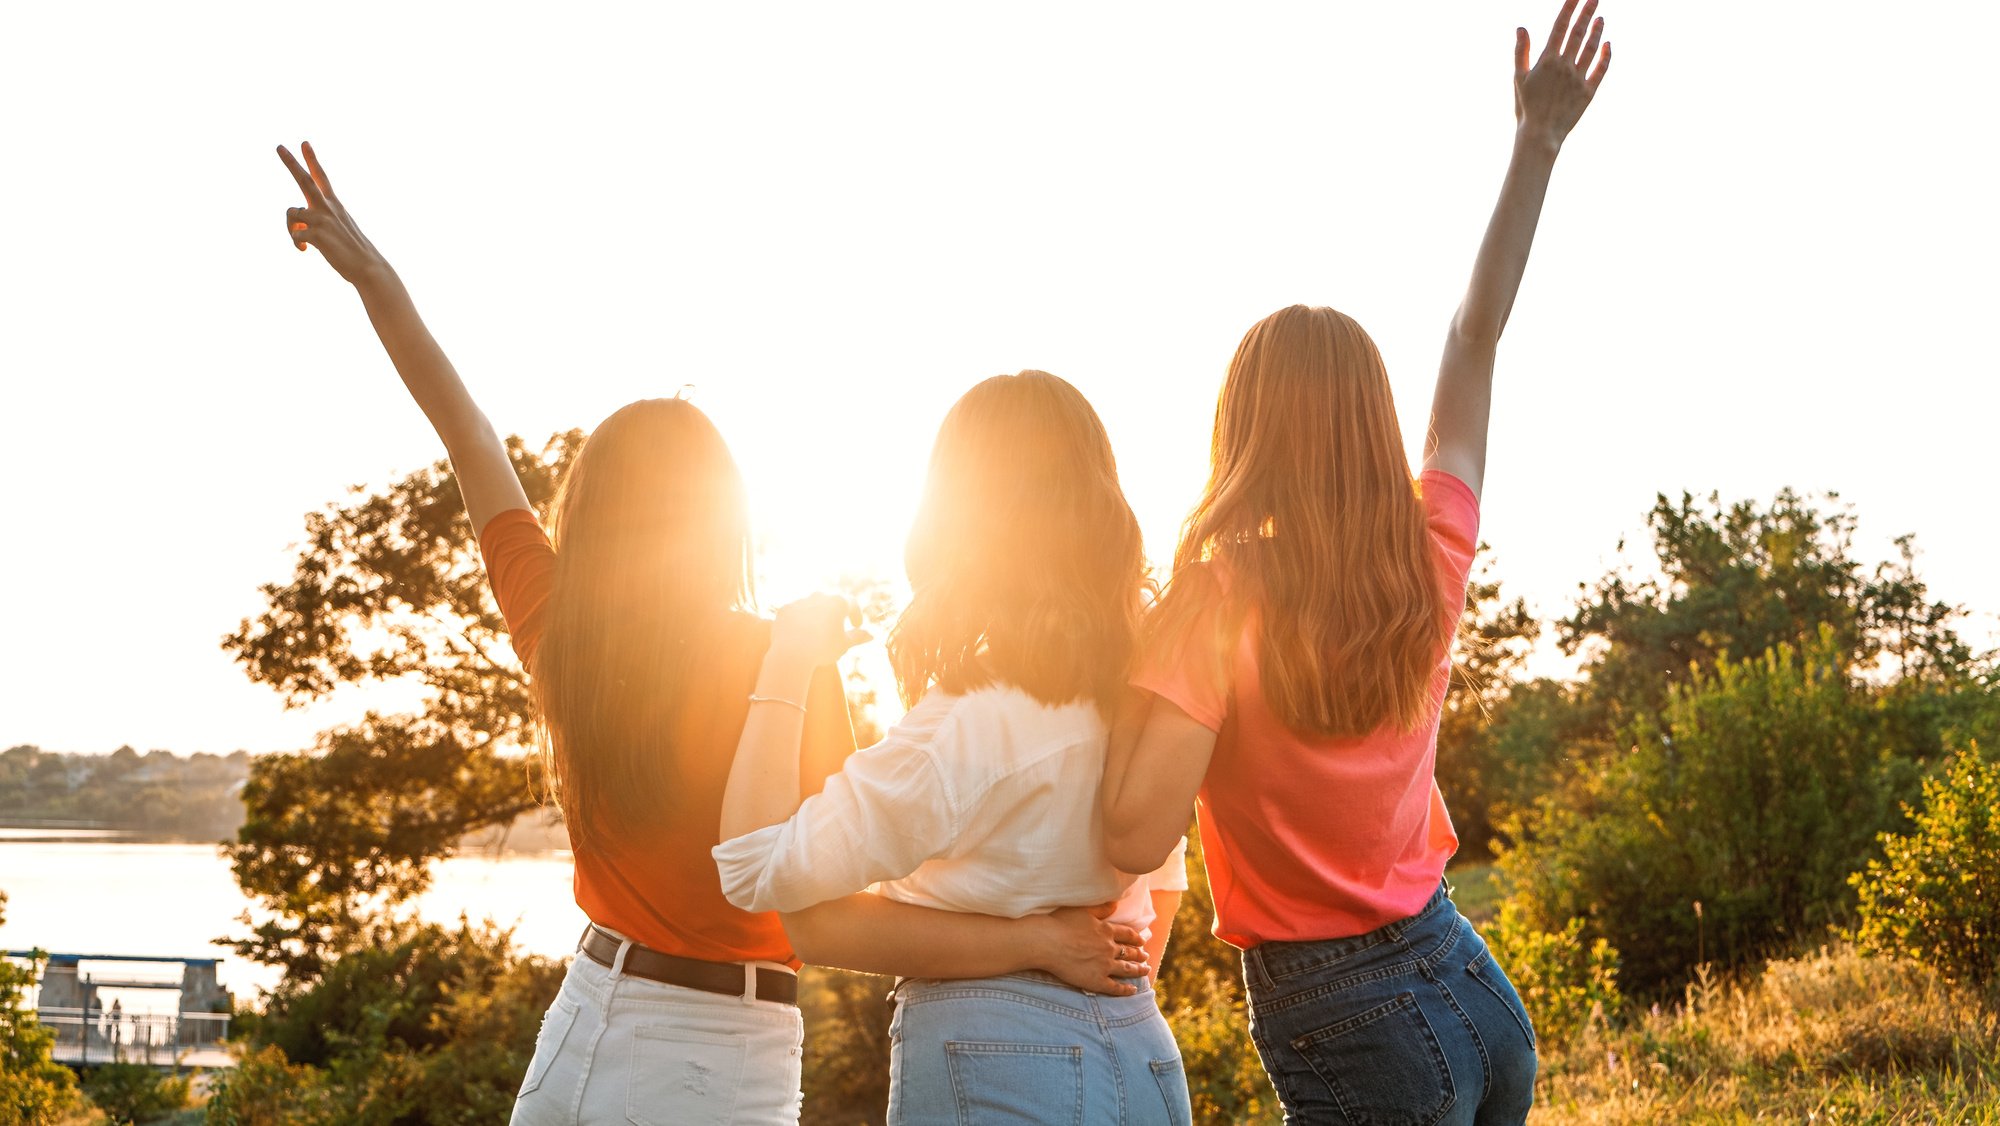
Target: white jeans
621,1049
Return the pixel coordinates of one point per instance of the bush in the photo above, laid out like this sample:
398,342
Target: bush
134,1092
266,1089
1728,830
436,1026
33,1088
1566,984
1935,897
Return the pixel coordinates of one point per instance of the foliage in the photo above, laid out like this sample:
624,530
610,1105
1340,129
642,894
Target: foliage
1744,579
390,587
33,1088
266,1089
387,587
1935,896
1829,1037
1565,983
1200,989
846,1072
1480,770
135,1092
434,1026
1728,828
334,840
158,794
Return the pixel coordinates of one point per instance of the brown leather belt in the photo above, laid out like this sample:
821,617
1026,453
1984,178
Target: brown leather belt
693,973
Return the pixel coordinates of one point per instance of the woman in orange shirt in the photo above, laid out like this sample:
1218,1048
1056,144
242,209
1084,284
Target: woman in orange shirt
1297,667
631,616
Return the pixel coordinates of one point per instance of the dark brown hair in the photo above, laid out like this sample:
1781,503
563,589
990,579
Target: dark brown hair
652,540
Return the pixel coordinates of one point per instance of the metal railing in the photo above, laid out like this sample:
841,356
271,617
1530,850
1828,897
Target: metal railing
99,1036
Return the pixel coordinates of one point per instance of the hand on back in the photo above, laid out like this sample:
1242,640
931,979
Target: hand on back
325,223
1550,96
1094,954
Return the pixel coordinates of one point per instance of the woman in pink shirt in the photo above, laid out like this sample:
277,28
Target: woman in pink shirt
1298,663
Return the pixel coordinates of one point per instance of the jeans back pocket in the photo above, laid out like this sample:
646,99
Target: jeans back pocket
1171,1078
681,1077
549,1040
1029,1084
1383,1066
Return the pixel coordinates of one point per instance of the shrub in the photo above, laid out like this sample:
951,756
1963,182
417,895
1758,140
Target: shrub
133,1092
1729,828
1935,896
266,1089
33,1088
1566,983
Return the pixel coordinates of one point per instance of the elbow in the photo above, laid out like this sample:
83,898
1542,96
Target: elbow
1475,334
808,933
1131,855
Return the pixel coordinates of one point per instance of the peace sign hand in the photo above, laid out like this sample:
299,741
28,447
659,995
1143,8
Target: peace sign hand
325,223
1550,98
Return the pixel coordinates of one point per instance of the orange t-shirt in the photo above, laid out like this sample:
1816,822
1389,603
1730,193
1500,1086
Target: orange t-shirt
658,886
1308,837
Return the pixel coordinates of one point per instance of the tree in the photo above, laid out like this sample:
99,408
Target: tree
1740,580
387,587
34,1089
1728,828
1484,764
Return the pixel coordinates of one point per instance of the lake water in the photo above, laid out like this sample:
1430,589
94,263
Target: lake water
90,895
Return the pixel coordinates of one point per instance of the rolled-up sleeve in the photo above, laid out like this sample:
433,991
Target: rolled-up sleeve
888,810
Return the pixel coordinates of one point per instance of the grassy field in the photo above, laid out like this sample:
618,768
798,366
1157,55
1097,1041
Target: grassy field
1830,1037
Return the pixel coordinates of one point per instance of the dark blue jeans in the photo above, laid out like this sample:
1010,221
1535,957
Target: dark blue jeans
1411,1023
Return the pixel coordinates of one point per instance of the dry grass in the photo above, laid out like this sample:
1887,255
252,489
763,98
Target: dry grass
1830,1037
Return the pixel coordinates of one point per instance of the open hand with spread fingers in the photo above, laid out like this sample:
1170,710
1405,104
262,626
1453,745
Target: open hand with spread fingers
323,222
1550,97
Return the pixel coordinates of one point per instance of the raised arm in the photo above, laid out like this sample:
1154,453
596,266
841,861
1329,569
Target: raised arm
1549,99
485,475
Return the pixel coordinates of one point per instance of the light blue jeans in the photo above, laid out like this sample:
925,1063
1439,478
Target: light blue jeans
1027,1049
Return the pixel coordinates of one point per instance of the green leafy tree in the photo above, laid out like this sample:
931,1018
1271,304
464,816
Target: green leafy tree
1497,740
387,588
1935,894
34,1089
1730,825
1743,579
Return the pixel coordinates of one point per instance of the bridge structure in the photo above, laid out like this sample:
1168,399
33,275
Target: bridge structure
88,1032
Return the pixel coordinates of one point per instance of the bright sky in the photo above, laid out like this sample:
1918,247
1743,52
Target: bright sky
1767,260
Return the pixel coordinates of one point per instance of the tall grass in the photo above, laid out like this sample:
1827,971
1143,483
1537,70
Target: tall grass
1829,1037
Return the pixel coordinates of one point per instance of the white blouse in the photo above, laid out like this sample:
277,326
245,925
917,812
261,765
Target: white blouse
985,803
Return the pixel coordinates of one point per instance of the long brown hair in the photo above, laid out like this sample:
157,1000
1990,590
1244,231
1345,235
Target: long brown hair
1312,514
1025,563
652,540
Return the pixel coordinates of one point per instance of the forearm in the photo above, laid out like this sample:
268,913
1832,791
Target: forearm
1503,253
881,936
764,778
426,371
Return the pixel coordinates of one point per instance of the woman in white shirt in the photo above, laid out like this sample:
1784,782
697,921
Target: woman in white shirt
1027,578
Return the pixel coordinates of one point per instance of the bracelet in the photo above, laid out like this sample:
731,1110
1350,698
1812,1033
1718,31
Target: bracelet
756,699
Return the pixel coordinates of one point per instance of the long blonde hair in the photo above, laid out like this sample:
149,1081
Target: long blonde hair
653,550
1312,515
1025,562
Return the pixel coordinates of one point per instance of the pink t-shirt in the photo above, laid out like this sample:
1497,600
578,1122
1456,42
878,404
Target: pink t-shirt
1308,837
